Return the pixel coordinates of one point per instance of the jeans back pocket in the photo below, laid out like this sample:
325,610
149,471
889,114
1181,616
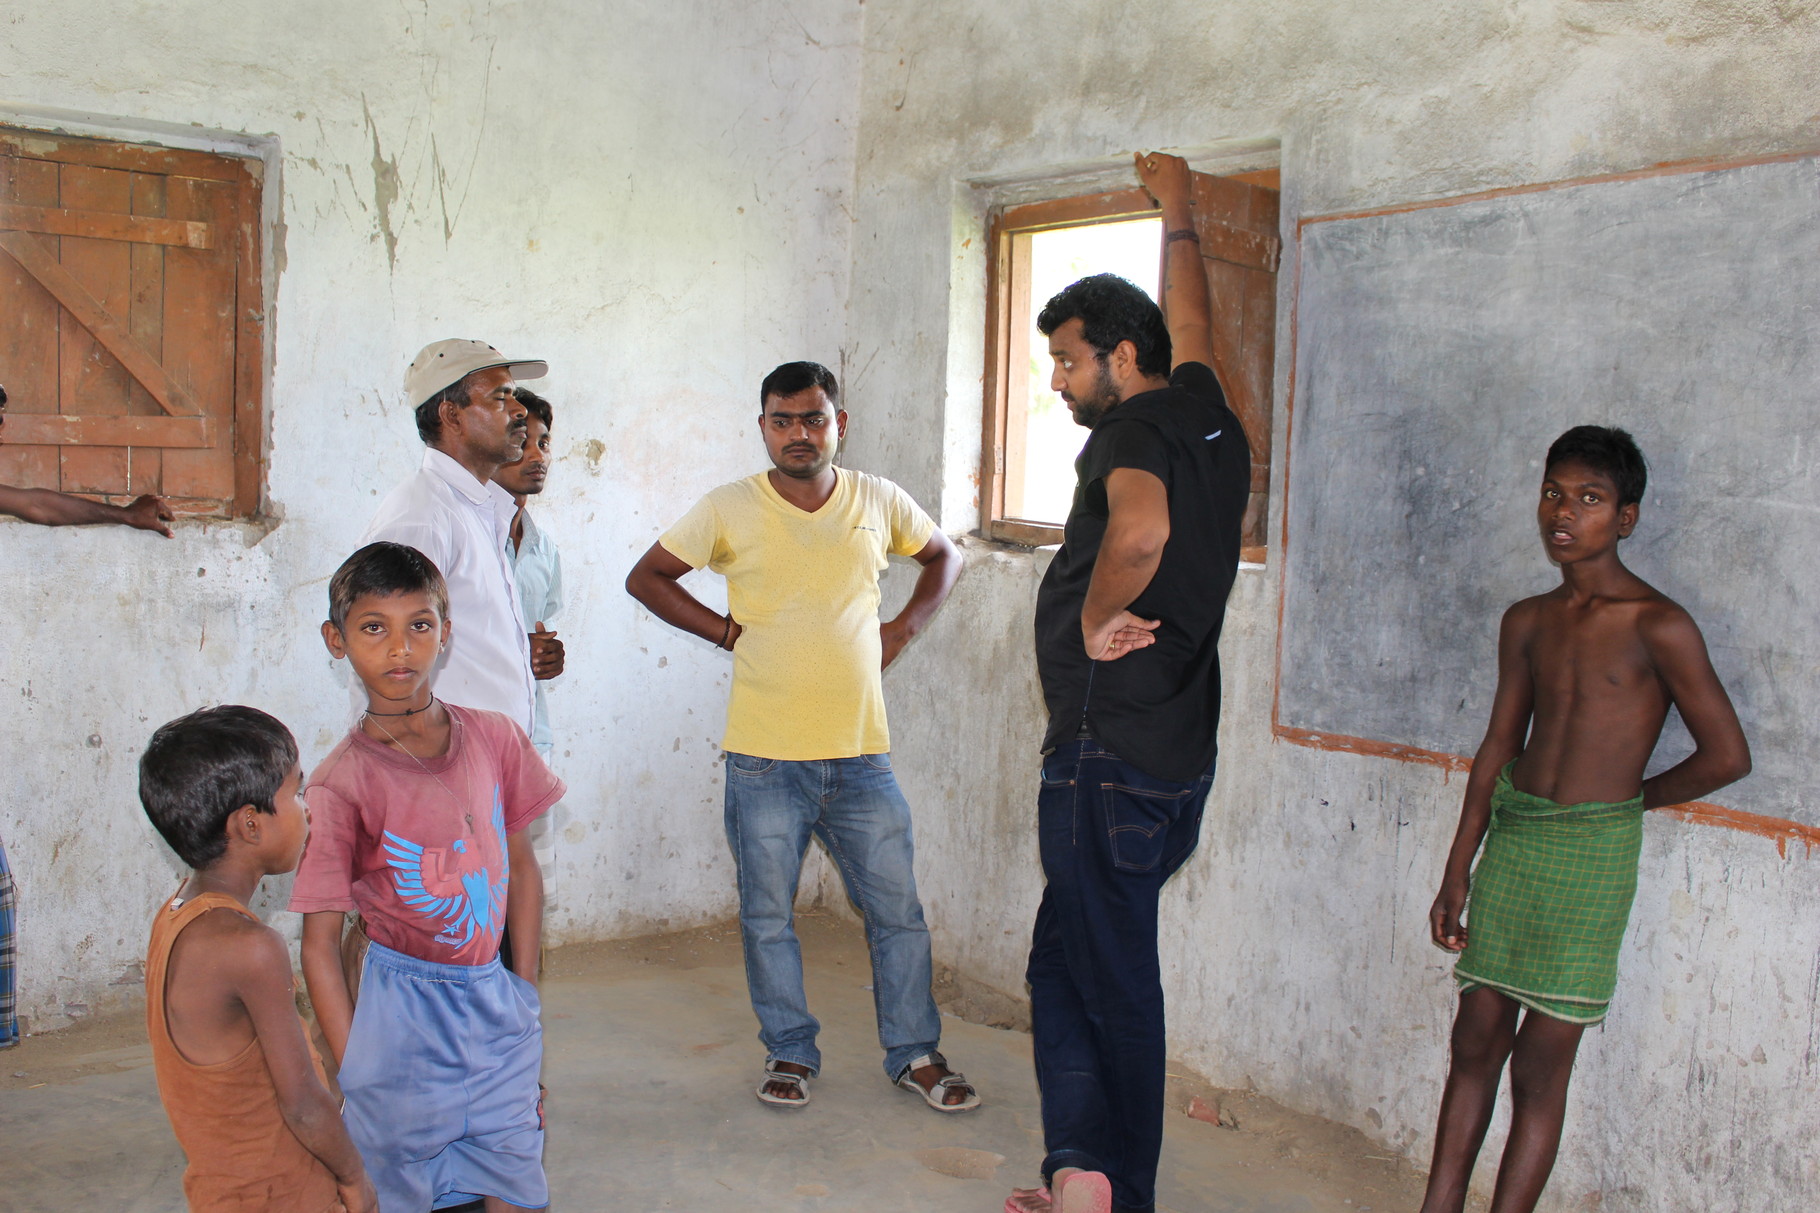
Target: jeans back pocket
1138,822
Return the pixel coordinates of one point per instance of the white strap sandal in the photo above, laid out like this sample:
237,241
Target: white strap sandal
799,1081
934,1096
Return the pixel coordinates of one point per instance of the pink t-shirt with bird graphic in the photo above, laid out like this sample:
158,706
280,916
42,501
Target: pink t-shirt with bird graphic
418,846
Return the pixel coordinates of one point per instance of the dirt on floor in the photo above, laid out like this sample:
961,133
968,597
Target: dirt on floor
100,1045
1267,1135
1251,1130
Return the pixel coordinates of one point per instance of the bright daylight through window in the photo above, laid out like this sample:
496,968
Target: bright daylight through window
1044,487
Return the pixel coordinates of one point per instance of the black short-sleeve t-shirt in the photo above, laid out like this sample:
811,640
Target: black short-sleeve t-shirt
1158,708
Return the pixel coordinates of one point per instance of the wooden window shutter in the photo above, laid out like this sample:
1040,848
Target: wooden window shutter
131,321
1238,223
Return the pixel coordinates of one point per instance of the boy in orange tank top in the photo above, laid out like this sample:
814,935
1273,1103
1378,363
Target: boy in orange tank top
239,1079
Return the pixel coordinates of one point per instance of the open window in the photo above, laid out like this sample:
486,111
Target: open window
1034,250
131,321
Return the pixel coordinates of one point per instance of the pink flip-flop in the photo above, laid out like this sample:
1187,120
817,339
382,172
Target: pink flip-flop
1082,1192
1085,1192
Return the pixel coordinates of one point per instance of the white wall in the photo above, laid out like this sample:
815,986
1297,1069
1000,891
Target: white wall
656,203
1294,945
662,201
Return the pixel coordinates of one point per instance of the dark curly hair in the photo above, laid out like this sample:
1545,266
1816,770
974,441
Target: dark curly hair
536,406
1112,310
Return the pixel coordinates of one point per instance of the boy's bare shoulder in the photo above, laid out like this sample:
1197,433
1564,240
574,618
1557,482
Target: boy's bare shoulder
1522,615
1652,601
231,943
1663,621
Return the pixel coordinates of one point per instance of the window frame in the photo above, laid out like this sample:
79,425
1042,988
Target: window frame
1008,325
1008,321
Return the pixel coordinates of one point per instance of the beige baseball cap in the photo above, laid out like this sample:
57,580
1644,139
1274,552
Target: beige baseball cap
441,363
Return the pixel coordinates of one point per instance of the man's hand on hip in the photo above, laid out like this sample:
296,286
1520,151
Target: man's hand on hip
1123,633
892,637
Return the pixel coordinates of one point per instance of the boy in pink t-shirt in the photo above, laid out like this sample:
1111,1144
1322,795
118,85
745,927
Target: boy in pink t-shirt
419,821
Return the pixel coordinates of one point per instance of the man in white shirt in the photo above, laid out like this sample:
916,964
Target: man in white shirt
471,423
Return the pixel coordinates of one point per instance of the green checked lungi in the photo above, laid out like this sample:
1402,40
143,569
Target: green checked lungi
1549,902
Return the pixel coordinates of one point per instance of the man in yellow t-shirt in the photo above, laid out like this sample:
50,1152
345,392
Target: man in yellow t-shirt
808,752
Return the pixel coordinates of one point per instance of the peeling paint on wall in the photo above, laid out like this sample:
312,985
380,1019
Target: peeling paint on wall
588,219
1293,942
385,189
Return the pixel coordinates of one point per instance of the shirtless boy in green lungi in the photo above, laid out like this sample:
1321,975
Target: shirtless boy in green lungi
1586,675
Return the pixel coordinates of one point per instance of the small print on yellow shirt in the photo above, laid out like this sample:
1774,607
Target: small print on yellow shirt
804,587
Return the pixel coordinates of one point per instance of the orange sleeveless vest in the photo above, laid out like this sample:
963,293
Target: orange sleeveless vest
243,1158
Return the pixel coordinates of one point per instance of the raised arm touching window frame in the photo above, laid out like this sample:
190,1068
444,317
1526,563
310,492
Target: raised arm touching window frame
1187,303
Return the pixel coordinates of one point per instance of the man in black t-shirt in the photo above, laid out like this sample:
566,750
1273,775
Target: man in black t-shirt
1127,636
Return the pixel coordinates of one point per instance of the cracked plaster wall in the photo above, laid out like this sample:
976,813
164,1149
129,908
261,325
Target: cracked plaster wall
666,203
656,202
1294,944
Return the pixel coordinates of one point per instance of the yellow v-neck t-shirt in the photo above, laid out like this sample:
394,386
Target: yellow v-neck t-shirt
804,587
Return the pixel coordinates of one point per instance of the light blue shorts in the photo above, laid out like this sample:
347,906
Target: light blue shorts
441,1083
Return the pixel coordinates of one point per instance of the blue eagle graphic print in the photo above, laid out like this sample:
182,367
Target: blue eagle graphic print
454,886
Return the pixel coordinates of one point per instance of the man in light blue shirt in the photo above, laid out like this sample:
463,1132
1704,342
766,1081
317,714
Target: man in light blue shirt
536,563
537,568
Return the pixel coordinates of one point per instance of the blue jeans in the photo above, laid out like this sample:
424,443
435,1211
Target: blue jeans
852,805
1110,836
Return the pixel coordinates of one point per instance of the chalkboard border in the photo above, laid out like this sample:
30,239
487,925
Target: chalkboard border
1779,830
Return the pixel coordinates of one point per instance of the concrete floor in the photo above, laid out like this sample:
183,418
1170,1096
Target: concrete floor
651,1058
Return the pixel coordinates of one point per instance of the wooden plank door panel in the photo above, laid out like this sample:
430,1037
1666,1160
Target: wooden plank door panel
145,324
1257,369
248,439
93,383
29,320
199,289
107,225
1241,247
131,157
131,321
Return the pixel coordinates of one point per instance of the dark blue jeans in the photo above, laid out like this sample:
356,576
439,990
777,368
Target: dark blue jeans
1110,837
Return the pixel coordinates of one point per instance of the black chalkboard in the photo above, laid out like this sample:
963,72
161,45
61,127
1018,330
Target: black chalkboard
1439,351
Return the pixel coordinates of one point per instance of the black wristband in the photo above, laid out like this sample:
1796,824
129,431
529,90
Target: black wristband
1186,233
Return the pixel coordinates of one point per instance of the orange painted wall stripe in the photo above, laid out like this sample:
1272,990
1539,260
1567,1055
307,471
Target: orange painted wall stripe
1375,749
1778,830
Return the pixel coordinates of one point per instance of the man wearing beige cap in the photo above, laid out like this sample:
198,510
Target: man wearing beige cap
452,512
